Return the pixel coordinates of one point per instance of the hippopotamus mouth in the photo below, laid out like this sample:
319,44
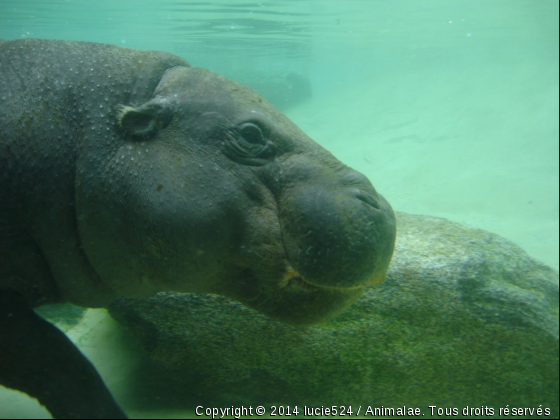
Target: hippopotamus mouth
293,279
298,281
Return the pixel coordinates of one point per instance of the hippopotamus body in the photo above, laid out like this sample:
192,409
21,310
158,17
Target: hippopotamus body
127,173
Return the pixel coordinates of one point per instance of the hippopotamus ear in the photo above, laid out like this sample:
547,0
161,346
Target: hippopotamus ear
145,120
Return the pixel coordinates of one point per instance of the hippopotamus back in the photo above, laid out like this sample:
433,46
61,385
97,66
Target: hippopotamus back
57,97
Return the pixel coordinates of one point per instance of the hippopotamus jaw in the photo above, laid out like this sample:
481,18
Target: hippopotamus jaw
292,278
335,237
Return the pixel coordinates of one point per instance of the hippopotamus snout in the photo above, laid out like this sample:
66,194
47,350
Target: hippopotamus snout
338,233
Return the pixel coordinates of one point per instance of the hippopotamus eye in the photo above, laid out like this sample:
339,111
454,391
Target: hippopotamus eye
248,144
252,134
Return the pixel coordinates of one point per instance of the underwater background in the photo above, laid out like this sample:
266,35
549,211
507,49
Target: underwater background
450,107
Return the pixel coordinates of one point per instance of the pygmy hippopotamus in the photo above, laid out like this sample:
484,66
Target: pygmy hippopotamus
127,173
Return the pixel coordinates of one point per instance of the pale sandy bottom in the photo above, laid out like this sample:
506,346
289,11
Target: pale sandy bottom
479,147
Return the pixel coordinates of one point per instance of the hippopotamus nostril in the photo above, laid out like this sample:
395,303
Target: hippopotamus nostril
367,200
357,179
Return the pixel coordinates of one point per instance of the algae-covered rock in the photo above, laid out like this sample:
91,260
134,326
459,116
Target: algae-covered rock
464,318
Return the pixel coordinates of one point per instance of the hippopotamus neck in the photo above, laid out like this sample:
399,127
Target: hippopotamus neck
61,99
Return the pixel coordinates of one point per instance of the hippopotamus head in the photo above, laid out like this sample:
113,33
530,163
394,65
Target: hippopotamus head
211,189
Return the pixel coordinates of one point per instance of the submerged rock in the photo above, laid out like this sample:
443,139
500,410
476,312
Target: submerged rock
63,315
464,318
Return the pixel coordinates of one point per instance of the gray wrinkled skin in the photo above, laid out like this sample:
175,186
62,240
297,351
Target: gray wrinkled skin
129,172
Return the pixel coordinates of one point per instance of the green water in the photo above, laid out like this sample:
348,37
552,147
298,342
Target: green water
449,107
